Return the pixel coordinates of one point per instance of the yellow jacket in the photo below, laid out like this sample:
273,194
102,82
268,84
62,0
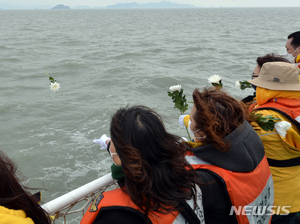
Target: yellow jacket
10,216
286,179
297,60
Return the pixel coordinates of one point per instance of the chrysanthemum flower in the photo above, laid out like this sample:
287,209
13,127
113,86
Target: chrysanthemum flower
175,88
214,79
281,127
54,86
238,84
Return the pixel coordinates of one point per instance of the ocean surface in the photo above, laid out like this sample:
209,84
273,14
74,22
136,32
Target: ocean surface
107,59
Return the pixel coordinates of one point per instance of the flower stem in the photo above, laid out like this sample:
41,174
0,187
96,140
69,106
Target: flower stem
46,72
188,133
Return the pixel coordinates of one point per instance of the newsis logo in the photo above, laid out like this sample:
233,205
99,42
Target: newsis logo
250,210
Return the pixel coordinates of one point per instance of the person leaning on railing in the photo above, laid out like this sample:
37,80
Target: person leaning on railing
17,205
159,185
229,157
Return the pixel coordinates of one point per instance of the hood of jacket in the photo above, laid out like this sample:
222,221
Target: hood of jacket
244,155
264,95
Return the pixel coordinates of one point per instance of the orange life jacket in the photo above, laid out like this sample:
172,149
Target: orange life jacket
246,190
118,199
288,107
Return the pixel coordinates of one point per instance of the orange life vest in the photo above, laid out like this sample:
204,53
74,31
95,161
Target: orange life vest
118,199
247,191
288,107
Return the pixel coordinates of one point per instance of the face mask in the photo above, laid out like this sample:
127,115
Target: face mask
290,57
192,133
112,155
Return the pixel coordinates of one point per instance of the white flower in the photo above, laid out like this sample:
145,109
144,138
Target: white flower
54,86
214,79
281,127
175,88
238,84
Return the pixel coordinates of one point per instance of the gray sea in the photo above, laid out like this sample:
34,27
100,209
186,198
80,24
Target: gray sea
107,59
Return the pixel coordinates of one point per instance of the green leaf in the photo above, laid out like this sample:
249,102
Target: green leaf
180,103
265,122
52,80
245,84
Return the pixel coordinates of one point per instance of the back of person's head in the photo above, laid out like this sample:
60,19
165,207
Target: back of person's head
270,58
217,115
152,159
296,39
13,194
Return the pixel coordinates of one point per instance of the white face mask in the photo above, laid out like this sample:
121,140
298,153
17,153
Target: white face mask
112,155
290,57
192,133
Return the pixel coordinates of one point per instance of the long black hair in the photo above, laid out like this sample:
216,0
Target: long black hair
157,176
13,195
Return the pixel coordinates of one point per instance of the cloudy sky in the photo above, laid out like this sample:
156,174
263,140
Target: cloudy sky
198,3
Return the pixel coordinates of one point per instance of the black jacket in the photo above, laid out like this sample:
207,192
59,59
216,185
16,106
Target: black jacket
244,155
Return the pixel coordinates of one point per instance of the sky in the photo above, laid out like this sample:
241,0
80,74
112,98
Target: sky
198,3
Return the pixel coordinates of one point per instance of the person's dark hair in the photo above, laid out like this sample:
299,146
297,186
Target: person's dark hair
157,176
296,39
13,195
217,115
270,58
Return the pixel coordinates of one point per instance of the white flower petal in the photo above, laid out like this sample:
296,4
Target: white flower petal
281,127
175,88
238,84
214,79
54,86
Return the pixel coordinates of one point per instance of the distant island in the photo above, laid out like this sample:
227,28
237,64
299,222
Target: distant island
151,5
132,5
61,6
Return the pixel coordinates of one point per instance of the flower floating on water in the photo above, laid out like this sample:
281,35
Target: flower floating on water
54,86
242,85
215,80
282,127
179,100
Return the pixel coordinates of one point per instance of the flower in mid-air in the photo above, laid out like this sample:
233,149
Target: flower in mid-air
54,86
175,88
214,79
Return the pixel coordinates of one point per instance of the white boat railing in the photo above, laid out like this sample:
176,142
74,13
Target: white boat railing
61,206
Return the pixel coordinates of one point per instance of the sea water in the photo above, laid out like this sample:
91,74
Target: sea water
107,59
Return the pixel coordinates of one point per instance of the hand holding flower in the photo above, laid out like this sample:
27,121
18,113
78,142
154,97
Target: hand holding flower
179,100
